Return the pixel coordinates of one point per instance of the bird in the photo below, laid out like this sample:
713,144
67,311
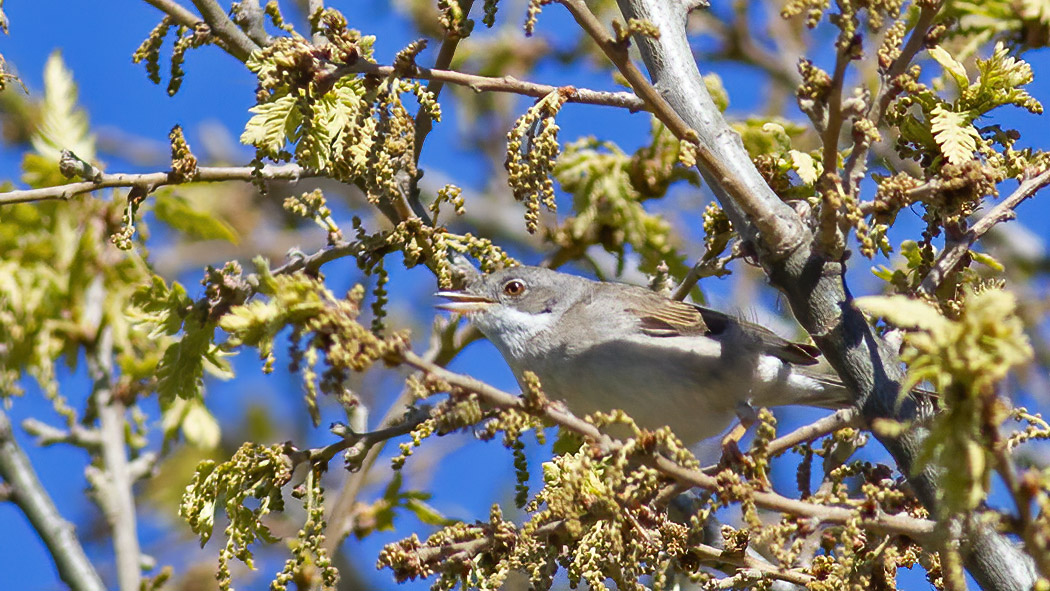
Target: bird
599,346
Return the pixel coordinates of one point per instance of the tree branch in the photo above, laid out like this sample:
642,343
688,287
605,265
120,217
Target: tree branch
917,529
815,286
153,180
424,123
856,163
510,84
25,491
237,41
757,213
114,481
1003,211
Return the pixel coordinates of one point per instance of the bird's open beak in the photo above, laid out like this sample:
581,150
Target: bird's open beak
462,302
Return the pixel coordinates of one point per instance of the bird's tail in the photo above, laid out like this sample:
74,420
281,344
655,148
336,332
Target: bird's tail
835,395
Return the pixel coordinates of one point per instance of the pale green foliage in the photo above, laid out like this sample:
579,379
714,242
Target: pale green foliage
338,130
254,472
355,129
179,213
322,324
1008,20
63,125
192,417
964,359
954,133
166,312
948,125
609,188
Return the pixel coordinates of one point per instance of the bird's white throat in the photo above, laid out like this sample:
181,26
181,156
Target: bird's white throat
513,330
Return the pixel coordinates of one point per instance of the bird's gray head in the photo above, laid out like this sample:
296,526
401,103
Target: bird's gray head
513,306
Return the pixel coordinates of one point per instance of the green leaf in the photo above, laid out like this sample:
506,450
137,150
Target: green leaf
902,311
987,260
954,134
177,212
181,370
63,126
950,65
807,168
199,425
273,125
426,513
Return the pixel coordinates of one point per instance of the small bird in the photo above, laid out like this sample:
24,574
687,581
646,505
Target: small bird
599,346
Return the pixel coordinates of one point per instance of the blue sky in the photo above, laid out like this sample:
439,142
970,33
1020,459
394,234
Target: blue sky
97,40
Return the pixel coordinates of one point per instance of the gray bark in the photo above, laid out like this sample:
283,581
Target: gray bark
814,285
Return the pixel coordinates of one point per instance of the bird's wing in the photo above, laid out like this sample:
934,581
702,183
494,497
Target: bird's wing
662,317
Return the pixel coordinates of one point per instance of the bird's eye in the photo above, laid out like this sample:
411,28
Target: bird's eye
514,288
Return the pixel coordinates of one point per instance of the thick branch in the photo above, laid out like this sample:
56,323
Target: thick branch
680,100
25,491
1003,211
153,180
114,482
814,285
237,42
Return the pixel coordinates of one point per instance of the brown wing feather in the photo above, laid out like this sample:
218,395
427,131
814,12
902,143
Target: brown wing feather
661,317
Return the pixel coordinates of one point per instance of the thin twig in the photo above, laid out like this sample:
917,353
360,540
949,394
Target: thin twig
510,84
833,126
424,123
180,14
847,417
856,162
26,492
77,434
1002,212
917,529
446,343
313,7
252,19
153,180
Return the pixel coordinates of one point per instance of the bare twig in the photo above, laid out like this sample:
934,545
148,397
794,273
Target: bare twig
250,17
510,84
180,14
153,180
705,267
917,529
833,126
424,123
1003,211
360,443
847,417
77,434
312,8
26,492
856,162
312,262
